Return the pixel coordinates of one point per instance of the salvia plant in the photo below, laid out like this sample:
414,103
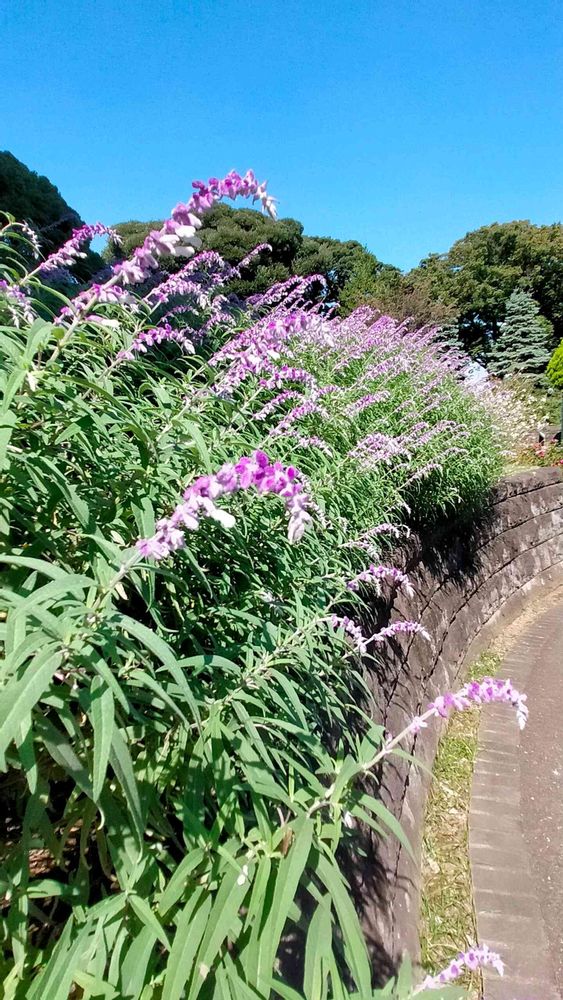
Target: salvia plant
199,497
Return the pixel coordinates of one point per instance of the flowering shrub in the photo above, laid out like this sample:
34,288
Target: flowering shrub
516,412
179,746
548,454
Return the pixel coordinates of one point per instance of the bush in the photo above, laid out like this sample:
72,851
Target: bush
184,717
555,368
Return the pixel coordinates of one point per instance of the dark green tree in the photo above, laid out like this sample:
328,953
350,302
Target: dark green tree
32,198
233,233
523,344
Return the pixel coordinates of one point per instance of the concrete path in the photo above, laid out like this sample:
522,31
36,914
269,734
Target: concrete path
516,821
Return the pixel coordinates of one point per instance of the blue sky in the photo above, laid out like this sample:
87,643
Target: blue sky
400,123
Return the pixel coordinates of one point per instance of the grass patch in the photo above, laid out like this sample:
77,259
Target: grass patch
447,914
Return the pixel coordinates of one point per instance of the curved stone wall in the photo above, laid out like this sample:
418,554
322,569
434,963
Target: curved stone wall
469,582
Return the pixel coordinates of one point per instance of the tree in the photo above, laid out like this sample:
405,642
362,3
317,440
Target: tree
32,198
340,262
385,288
554,374
233,233
522,347
479,273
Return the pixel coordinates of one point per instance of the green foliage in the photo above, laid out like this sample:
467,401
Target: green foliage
479,273
32,198
28,196
233,233
180,743
555,368
522,347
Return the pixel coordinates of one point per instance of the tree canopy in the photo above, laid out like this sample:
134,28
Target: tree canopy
235,232
32,198
464,290
470,285
476,277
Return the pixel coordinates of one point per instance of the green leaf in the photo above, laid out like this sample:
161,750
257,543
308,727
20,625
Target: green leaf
135,964
177,884
78,506
47,568
222,920
61,751
19,697
7,423
101,714
200,444
146,680
56,978
122,764
317,949
191,928
372,805
148,918
355,946
164,653
94,988
289,873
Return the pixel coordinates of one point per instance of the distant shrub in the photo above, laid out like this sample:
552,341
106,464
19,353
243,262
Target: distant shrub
555,368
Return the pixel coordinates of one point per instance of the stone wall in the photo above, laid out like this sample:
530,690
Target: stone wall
469,582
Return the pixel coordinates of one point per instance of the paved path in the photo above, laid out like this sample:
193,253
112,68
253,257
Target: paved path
516,821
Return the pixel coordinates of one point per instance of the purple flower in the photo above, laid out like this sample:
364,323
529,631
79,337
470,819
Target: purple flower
178,235
352,630
474,958
18,303
308,441
32,237
377,574
286,373
254,471
358,405
158,335
71,250
305,409
377,448
400,628
276,401
490,689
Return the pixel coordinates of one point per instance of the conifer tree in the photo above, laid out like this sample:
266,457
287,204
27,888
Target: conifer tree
523,346
449,334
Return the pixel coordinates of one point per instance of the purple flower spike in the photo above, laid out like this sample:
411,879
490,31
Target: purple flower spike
255,471
377,574
490,689
475,958
158,335
401,628
352,630
71,250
